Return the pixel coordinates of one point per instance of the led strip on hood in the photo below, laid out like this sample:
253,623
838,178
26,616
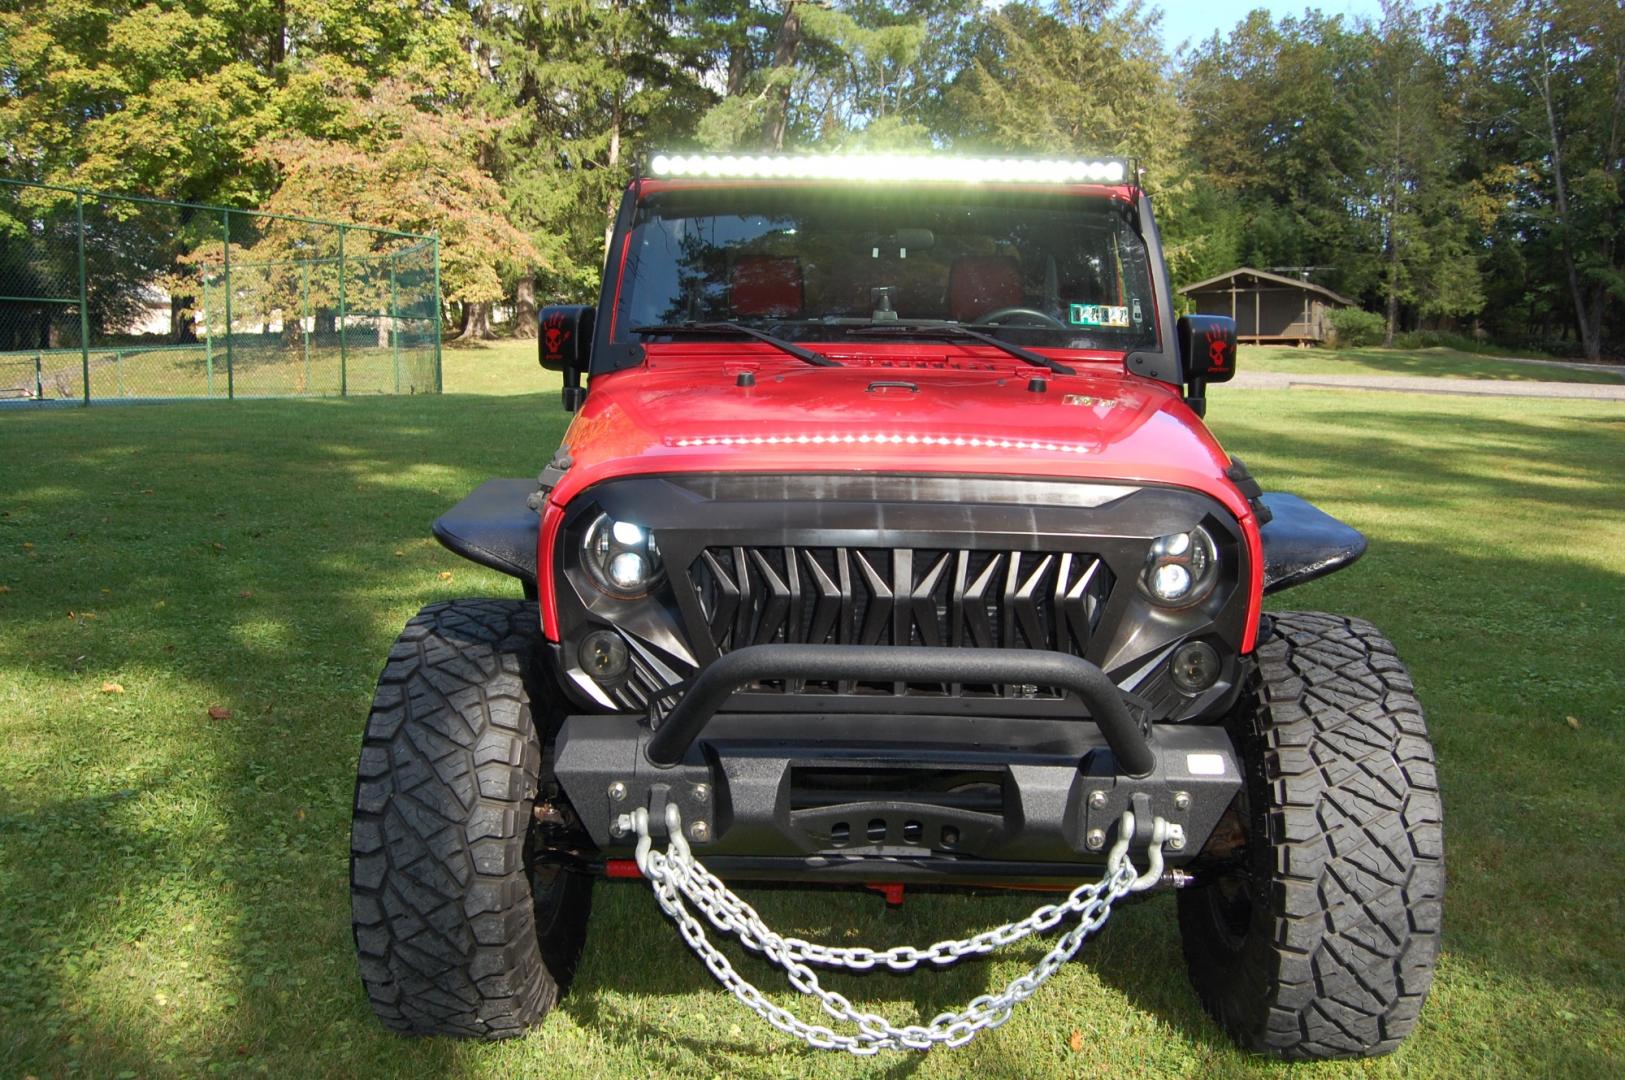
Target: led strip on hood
868,438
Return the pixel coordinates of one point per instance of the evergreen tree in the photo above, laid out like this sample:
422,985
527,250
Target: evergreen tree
1428,261
1554,95
799,73
1273,106
588,85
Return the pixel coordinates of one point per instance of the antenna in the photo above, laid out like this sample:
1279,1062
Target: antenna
1302,272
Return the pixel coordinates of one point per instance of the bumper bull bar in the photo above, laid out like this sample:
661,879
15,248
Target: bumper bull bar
938,798
873,663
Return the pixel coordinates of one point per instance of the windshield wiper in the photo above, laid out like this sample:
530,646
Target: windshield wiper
957,330
692,327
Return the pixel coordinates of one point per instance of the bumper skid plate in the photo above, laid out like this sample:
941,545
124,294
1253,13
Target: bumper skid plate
948,799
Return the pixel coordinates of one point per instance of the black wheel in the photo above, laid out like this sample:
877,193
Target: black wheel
456,934
1318,938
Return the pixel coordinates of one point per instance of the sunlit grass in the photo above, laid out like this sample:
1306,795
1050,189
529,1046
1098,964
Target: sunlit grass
174,882
507,366
1437,362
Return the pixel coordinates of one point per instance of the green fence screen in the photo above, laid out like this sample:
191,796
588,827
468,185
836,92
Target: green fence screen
119,298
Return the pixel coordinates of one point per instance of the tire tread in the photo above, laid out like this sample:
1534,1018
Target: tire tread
1345,931
442,906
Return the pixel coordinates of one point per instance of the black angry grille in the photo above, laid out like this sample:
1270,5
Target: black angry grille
876,596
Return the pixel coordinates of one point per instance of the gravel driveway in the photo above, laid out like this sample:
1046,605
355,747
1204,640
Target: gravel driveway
1427,384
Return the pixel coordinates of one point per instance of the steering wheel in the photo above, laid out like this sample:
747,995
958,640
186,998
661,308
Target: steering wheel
997,318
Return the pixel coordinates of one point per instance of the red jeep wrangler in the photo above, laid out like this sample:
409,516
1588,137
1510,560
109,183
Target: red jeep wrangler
887,546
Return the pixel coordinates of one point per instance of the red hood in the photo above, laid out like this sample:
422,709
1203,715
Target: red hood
969,414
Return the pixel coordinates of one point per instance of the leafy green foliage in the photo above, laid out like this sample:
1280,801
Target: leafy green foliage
1275,155
1418,162
1077,78
1355,328
833,75
1546,120
1427,260
1454,167
582,87
355,110
404,168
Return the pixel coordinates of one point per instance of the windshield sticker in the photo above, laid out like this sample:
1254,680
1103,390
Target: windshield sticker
1098,315
1137,318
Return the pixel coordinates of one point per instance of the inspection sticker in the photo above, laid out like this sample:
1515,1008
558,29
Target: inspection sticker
1098,315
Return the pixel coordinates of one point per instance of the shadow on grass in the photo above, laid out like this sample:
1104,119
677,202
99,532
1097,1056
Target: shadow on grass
257,560
319,513
39,853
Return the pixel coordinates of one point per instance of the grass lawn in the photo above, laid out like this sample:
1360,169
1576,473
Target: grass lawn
507,366
195,600
1443,363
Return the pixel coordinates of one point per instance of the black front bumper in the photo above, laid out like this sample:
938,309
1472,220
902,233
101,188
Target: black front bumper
951,798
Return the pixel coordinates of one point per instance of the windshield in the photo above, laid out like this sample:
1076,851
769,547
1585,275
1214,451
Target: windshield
806,263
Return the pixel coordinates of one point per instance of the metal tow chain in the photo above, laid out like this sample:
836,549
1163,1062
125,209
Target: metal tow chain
677,876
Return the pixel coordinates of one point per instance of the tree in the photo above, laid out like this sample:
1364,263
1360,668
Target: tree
1412,196
1075,77
1438,162
181,100
138,98
800,73
584,85
1275,106
1555,84
407,168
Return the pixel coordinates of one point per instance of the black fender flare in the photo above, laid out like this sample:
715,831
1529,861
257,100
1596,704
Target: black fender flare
495,526
1303,542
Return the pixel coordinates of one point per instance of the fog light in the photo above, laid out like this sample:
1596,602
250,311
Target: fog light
1195,666
603,655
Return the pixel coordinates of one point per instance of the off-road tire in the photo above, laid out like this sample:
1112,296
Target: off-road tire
455,935
1321,942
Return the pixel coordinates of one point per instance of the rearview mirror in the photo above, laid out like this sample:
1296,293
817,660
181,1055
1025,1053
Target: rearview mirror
564,344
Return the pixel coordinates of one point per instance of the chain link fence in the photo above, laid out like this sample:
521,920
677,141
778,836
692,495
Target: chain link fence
120,298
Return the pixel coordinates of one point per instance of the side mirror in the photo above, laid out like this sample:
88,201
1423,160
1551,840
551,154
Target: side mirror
564,344
1207,353
1207,348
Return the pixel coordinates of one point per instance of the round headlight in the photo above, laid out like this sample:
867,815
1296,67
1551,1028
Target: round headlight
1181,568
622,558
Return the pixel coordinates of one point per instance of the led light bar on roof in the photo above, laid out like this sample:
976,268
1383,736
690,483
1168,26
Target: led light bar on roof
889,168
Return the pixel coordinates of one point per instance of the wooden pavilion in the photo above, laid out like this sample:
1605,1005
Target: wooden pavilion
1269,309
